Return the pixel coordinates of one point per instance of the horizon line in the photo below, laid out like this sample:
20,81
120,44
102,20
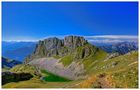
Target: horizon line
86,37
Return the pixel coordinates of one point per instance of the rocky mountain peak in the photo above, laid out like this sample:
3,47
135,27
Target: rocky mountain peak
51,43
74,41
57,47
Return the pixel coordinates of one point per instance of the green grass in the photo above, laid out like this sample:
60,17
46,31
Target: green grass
127,78
122,75
122,62
93,60
37,83
24,68
53,78
78,55
67,60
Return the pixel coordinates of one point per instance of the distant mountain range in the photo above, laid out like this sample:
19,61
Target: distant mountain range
9,63
17,50
121,48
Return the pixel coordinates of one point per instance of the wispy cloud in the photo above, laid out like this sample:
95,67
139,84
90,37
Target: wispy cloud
20,39
97,39
114,36
105,41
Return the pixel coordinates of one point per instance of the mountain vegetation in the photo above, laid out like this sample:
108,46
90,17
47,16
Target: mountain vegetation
72,62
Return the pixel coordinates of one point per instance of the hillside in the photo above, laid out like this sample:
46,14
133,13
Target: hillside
118,72
123,74
68,57
72,62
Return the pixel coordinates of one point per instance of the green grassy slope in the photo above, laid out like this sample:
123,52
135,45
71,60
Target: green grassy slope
26,69
37,83
118,72
87,54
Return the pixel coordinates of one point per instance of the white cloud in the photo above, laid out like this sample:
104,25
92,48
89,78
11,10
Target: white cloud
20,40
105,41
97,39
114,36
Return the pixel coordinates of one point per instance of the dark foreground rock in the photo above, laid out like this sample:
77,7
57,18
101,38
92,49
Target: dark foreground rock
14,77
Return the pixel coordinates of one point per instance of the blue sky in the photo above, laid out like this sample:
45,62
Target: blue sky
33,21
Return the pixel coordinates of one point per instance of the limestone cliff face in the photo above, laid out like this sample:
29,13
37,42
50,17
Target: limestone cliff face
56,47
74,41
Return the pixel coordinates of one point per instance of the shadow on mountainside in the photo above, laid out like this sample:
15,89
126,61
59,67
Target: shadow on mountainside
8,77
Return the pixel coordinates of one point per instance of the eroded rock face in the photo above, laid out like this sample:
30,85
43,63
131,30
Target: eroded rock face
56,47
70,50
74,41
85,51
48,47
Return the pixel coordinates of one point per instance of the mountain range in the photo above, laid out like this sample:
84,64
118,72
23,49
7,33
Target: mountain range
11,49
121,48
9,63
73,62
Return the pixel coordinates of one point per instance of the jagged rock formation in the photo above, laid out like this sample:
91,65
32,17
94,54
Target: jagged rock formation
56,47
73,53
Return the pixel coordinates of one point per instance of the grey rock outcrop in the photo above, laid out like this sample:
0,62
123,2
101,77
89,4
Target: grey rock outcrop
64,57
74,41
56,47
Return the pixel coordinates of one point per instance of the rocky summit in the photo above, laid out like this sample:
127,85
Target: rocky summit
56,47
66,57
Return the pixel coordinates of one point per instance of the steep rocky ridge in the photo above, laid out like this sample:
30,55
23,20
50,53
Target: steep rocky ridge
68,57
56,47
